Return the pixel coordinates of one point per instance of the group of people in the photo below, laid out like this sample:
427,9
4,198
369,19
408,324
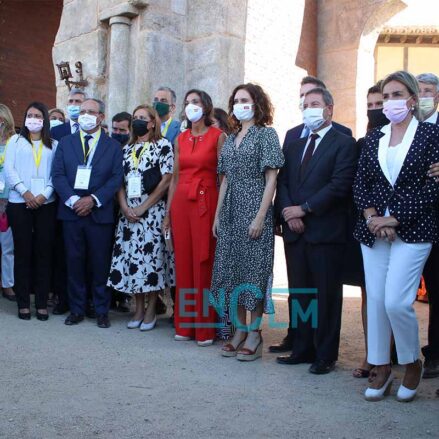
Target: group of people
193,205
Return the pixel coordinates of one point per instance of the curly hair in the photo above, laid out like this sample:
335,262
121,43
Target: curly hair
262,106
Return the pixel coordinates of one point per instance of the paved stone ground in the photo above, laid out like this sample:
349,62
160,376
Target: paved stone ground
86,382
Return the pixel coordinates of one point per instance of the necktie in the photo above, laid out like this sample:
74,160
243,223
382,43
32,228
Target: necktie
75,127
308,153
87,146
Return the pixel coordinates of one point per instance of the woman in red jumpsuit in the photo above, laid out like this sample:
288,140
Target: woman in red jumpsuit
193,196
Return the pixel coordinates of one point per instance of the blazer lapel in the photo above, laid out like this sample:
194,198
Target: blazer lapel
77,147
382,151
297,154
320,152
100,148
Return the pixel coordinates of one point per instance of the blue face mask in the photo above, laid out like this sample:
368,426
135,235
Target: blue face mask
73,111
121,138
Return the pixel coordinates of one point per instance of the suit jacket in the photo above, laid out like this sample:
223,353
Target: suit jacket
294,133
106,175
326,186
173,131
412,199
61,131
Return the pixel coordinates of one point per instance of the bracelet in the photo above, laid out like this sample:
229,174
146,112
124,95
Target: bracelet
369,219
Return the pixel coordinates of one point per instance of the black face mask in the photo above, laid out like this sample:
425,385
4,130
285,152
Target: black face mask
140,127
121,138
376,118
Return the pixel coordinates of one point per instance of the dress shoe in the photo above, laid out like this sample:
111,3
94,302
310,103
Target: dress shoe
59,310
103,321
285,345
294,359
73,319
379,394
134,324
148,326
205,343
24,315
321,367
181,338
10,297
431,369
42,317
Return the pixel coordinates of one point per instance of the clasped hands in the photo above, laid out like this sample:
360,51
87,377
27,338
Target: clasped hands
84,206
293,217
383,227
33,202
133,214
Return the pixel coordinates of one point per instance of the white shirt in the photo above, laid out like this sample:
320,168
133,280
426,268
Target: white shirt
433,118
92,144
73,130
20,168
321,134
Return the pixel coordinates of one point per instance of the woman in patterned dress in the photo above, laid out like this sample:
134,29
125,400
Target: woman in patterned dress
244,224
141,263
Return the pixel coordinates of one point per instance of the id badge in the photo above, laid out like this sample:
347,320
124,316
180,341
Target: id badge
82,180
134,186
37,185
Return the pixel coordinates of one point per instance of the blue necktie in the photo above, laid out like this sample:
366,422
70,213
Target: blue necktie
75,127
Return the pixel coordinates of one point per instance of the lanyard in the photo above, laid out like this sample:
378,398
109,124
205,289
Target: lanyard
90,147
165,128
37,155
136,160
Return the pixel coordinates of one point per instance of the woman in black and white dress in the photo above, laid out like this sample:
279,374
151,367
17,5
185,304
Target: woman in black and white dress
398,223
141,263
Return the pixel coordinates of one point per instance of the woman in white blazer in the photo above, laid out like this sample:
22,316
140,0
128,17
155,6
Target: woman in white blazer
398,222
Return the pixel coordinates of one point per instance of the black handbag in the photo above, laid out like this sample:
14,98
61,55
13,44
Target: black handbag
151,179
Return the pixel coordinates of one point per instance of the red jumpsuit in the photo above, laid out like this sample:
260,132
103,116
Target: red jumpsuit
192,214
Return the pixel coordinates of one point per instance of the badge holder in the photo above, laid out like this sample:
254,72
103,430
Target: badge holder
82,180
134,186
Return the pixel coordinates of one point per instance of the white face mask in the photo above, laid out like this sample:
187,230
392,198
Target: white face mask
243,112
33,124
426,106
193,112
301,101
313,118
55,123
87,122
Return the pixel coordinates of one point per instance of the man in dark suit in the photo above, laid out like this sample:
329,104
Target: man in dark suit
298,132
313,197
428,102
87,173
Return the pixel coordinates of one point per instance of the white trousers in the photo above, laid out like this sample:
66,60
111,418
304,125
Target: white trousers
7,246
393,271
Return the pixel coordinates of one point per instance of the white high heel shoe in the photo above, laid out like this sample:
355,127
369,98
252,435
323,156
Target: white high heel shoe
181,338
205,343
405,394
379,394
148,326
134,324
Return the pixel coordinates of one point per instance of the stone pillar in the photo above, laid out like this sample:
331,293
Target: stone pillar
118,65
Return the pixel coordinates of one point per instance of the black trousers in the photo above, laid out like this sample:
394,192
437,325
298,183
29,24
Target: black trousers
319,267
431,277
33,232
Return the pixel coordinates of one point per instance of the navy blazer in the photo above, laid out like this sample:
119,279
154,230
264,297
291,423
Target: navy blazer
294,133
106,175
173,131
413,200
61,131
326,186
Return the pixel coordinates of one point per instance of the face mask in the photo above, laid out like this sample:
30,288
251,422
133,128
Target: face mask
376,118
426,106
193,112
396,109
140,127
301,101
87,122
162,108
121,138
55,123
243,112
73,111
313,118
33,124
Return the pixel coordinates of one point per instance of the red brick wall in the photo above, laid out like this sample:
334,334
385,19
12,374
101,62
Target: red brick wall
27,34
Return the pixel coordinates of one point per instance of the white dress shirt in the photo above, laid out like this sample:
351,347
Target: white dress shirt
74,129
433,118
321,134
93,142
20,168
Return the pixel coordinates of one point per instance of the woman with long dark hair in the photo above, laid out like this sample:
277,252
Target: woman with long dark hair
192,198
31,209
